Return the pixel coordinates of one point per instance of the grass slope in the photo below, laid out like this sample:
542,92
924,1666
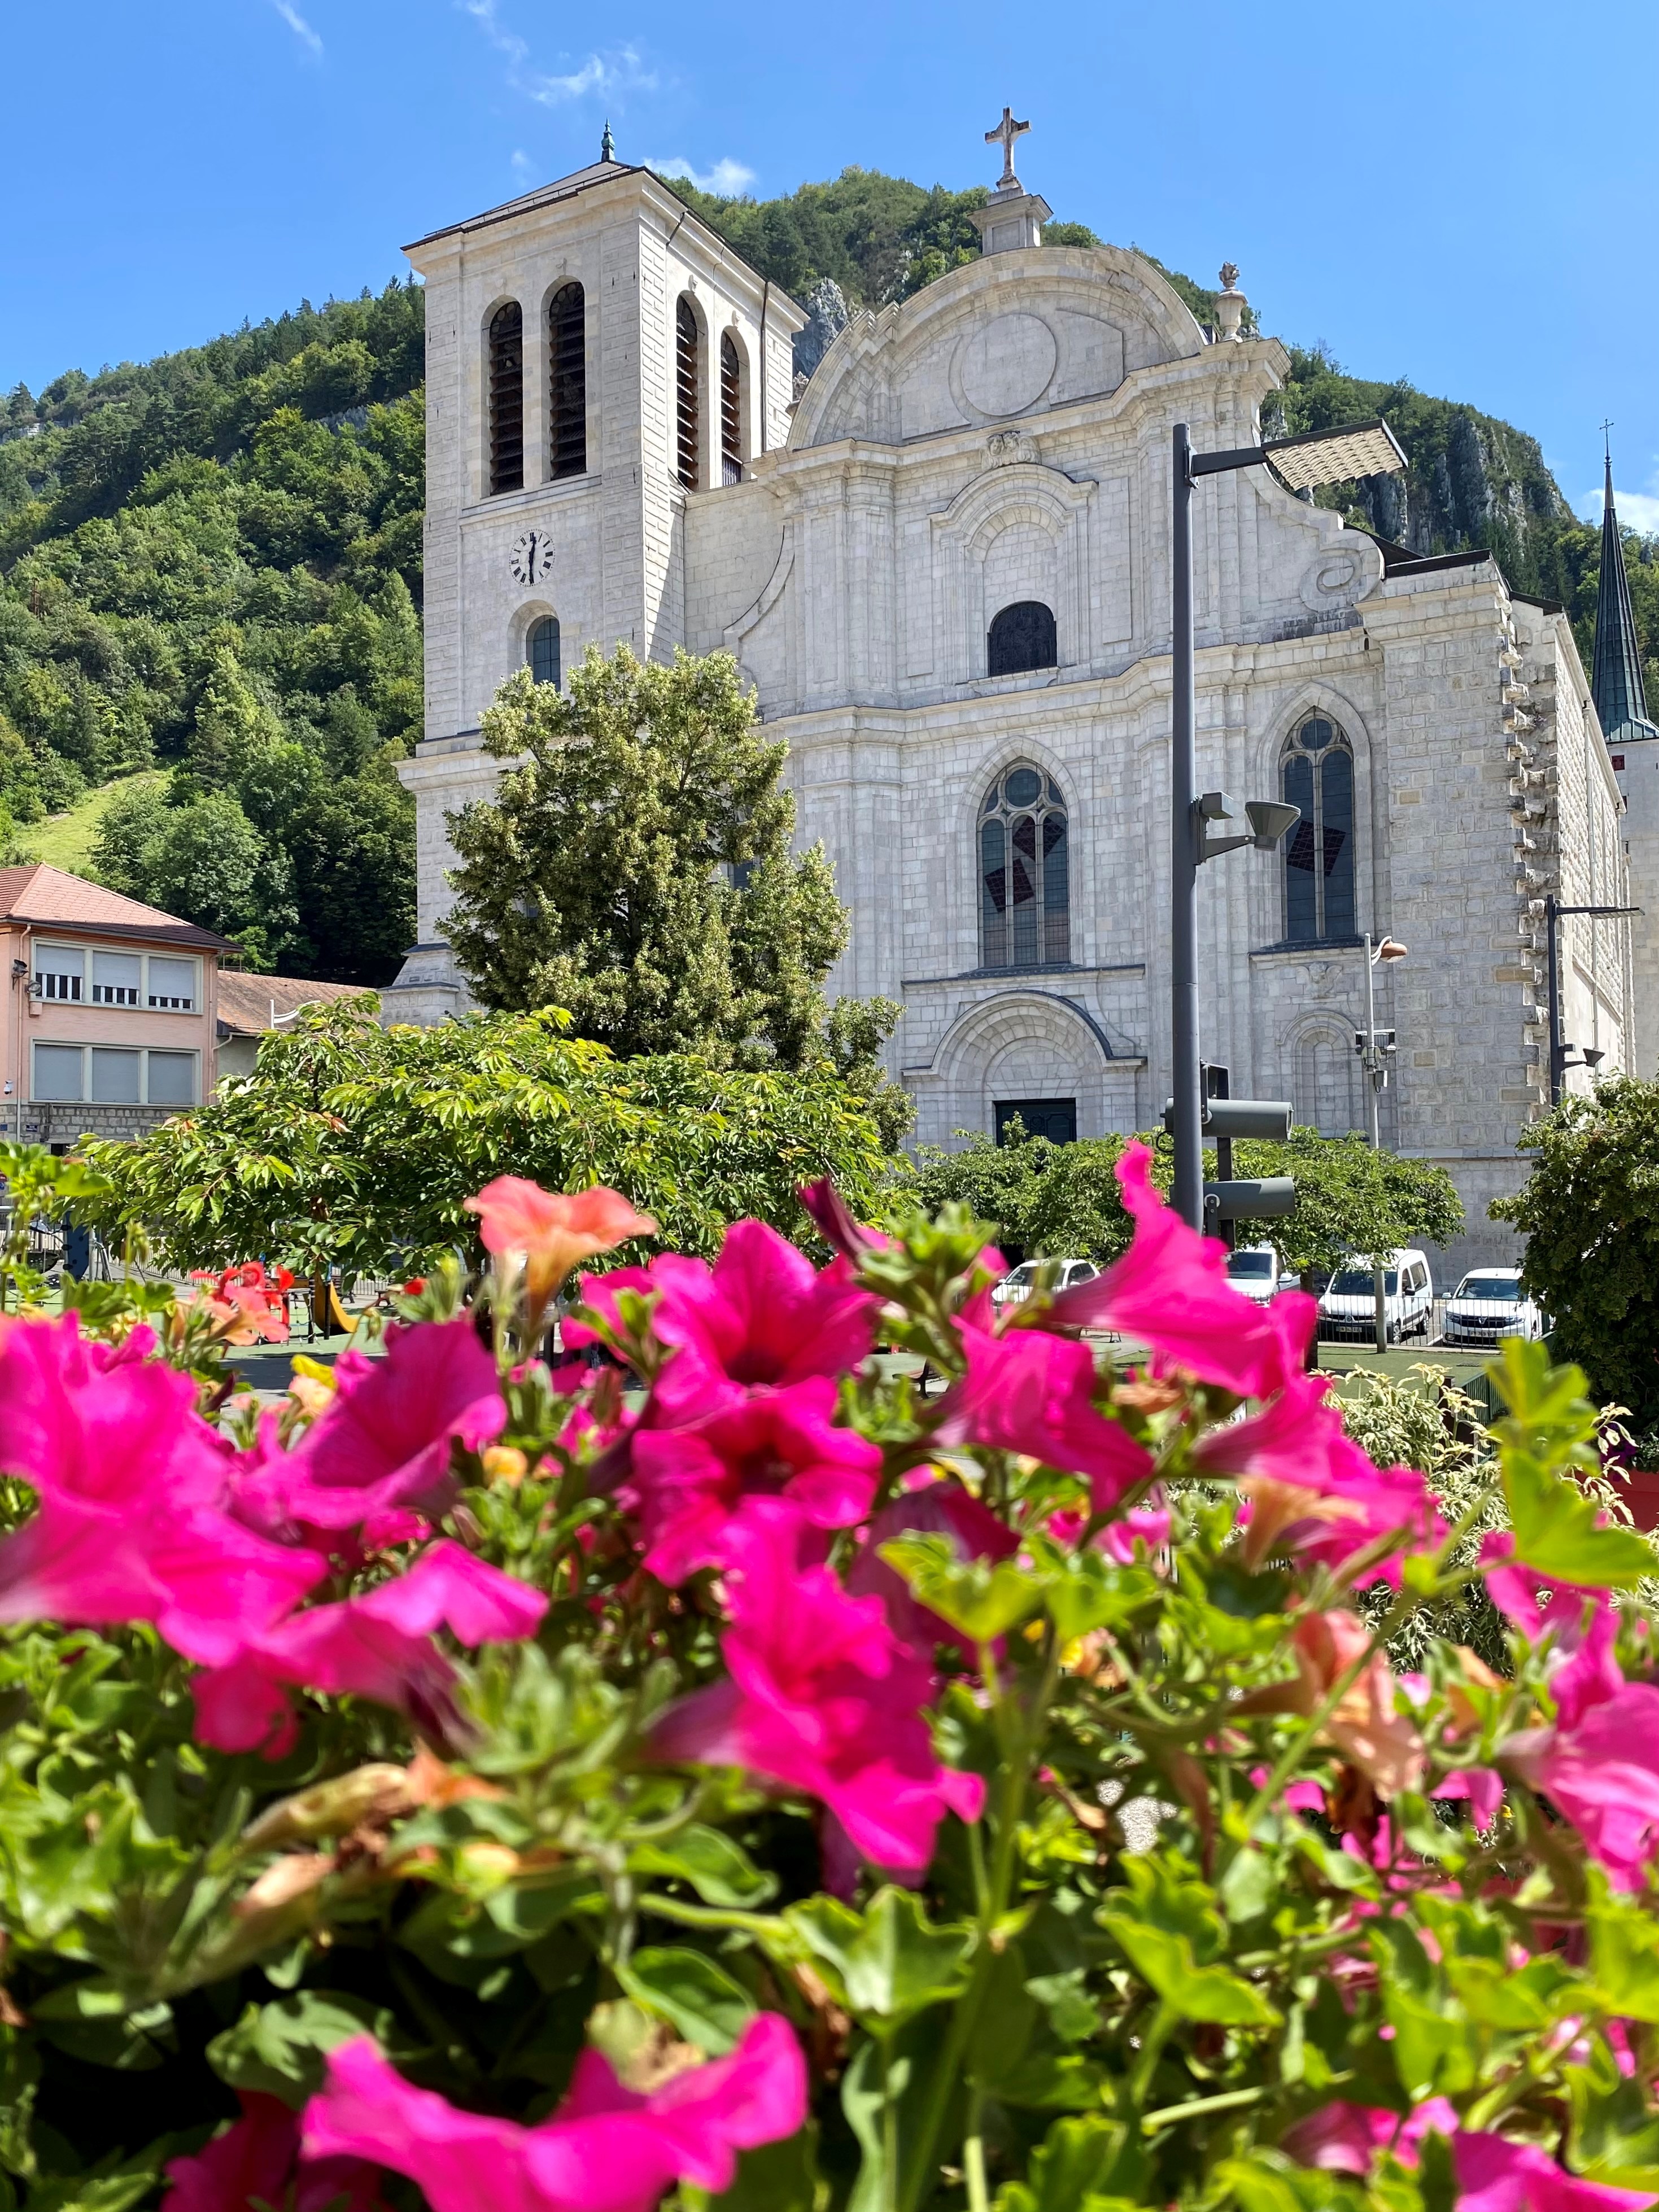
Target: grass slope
66,841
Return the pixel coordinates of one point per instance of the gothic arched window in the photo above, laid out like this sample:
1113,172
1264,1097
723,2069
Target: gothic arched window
731,410
1316,774
687,394
541,650
1022,637
507,398
567,381
1024,891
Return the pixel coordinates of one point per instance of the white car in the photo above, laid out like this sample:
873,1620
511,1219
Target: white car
1018,1283
1490,1303
1254,1269
1347,1307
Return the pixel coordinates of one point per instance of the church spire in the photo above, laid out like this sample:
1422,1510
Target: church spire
1616,678
607,144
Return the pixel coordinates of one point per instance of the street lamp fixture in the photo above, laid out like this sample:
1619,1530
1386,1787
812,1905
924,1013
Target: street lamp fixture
1560,1050
1318,457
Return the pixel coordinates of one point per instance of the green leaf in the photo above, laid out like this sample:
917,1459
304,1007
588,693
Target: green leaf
720,1870
1555,1530
280,2048
981,1598
888,1963
1166,1963
1624,1958
699,2001
1084,2165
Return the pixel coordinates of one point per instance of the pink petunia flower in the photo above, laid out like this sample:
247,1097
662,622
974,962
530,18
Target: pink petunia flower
1366,1726
605,2149
1170,1290
1480,1787
377,1646
554,1231
822,1696
1580,1624
382,1444
254,2162
1312,1490
1345,2138
830,1215
1031,1392
1602,1775
687,1484
1493,2174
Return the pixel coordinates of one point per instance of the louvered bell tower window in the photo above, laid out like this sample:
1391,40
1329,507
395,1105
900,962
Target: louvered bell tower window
687,393
567,364
506,400
731,410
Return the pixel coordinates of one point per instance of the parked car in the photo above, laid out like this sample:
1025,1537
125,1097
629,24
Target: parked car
1018,1283
1348,1307
1490,1303
1254,1269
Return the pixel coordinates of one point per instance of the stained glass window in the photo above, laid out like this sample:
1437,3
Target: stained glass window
1316,776
1023,869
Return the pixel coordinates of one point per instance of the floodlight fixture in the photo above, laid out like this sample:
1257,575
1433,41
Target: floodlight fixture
1391,949
1322,457
1271,822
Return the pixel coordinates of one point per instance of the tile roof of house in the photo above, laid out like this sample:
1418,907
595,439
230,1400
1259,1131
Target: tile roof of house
36,893
251,1005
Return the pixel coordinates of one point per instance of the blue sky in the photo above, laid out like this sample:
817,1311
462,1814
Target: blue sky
1463,196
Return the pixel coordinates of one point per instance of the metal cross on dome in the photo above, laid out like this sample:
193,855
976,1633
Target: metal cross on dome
1006,131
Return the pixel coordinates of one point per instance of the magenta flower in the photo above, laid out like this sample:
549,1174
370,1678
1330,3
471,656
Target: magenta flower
1493,2174
933,1509
1170,1290
687,1484
1345,2138
1603,1776
605,2149
383,1444
1312,1490
377,1646
822,1698
830,1215
1480,1787
1580,1625
1034,1393
102,1424
253,2162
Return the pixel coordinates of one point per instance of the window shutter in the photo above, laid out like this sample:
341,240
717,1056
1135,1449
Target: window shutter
687,393
566,350
506,400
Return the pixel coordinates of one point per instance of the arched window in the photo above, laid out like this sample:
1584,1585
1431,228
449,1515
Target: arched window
1022,637
567,381
507,398
1024,901
687,394
731,410
1316,774
541,650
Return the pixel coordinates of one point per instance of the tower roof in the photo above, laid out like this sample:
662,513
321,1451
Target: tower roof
1621,706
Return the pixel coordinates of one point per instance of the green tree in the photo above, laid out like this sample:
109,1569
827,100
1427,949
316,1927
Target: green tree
634,867
1589,1211
354,1144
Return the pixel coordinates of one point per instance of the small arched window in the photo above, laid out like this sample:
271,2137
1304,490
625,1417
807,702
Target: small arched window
1025,902
1316,775
542,650
731,410
507,398
567,381
1022,637
687,394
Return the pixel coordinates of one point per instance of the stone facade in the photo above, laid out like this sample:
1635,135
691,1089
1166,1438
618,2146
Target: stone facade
1004,438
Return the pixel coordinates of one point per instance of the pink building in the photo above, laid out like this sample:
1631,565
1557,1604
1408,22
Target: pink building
110,1013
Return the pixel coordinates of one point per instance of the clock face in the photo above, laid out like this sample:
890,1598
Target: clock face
531,558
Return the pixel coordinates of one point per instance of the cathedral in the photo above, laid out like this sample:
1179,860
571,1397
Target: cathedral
943,563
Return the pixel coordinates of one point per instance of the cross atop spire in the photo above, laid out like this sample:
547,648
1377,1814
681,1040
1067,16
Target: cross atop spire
1005,132
1621,704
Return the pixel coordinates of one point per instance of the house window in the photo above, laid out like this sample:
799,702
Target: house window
1316,775
60,972
1022,637
542,650
687,394
731,410
171,985
567,378
1053,1118
112,1075
507,398
117,978
1023,872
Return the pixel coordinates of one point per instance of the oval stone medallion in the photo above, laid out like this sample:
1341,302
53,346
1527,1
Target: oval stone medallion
1007,364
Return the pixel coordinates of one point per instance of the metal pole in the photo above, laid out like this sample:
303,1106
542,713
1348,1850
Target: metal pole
1188,1195
1378,1292
1557,1055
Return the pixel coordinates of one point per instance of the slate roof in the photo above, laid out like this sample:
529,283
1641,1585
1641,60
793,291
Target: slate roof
1621,705
251,1005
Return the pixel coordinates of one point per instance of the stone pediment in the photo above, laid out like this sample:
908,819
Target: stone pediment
1000,340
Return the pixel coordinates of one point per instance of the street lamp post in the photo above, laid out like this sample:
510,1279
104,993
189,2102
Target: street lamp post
1360,449
1559,1047
1374,1059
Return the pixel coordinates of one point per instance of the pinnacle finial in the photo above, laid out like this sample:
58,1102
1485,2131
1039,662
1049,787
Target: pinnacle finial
607,144
1229,276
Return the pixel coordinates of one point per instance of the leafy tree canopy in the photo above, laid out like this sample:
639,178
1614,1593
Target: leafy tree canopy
1589,1211
1061,1200
357,1144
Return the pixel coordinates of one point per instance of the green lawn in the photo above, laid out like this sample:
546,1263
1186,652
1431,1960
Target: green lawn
65,841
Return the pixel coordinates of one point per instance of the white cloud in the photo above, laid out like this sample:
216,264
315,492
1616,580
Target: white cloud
523,167
297,23
727,179
620,71
1638,510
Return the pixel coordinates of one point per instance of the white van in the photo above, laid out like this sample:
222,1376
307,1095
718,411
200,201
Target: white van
1254,1269
1347,1307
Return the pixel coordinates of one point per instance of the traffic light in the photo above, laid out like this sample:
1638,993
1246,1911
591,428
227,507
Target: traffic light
1251,1198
